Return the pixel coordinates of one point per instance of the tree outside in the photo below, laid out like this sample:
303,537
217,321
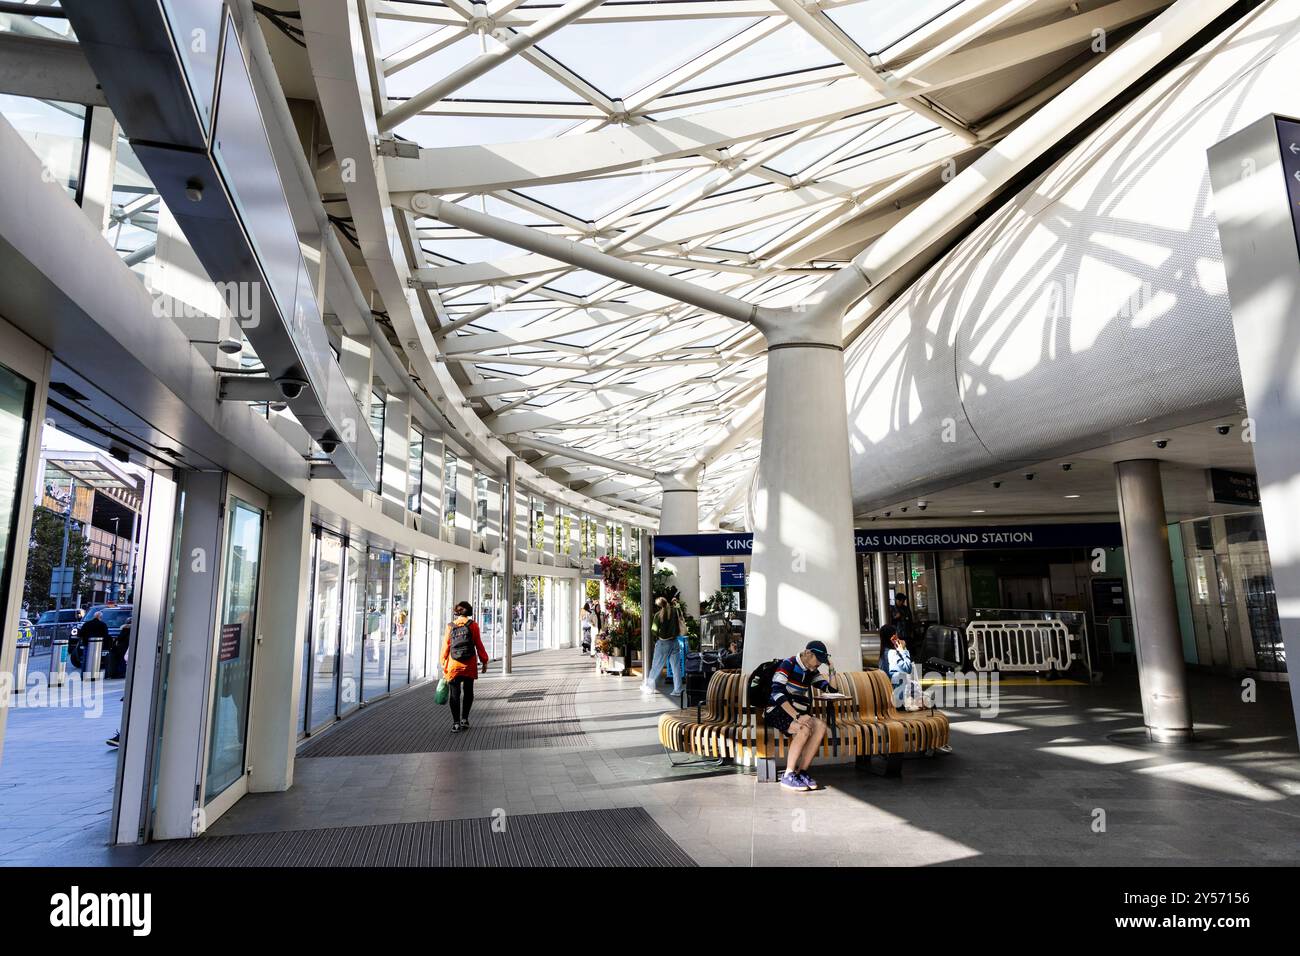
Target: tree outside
43,558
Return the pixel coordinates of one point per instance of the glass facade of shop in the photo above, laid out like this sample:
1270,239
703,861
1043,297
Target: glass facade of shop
375,624
376,621
1229,608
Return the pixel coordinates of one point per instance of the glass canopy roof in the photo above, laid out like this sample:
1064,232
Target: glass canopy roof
752,147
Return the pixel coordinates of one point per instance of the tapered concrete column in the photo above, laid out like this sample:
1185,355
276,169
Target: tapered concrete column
1161,672
801,583
679,513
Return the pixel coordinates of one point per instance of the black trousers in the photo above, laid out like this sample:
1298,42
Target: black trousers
462,697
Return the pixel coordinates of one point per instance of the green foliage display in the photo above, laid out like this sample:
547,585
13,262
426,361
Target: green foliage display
622,627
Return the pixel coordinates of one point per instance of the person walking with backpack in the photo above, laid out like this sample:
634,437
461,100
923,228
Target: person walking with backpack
789,701
462,650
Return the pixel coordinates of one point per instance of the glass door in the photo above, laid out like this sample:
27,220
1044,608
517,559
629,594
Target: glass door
304,686
354,630
420,625
530,614
517,616
379,583
325,621
401,620
232,679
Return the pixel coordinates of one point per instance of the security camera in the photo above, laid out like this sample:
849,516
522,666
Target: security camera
904,509
1162,442
277,406
291,387
329,442
194,189
1029,476
996,484
231,346
1066,465
1223,429
922,505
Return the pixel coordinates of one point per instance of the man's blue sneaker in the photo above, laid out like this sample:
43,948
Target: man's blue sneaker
793,781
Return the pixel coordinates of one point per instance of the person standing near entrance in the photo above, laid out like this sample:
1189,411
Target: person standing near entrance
901,617
588,621
664,628
462,650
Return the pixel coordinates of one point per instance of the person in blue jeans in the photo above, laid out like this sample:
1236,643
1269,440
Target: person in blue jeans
665,626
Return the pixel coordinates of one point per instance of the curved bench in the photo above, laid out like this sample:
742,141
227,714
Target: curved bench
868,725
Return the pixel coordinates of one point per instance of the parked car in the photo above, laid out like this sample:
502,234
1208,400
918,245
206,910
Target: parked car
52,624
115,615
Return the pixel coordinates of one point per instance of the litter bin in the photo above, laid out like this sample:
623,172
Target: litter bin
92,665
58,661
20,665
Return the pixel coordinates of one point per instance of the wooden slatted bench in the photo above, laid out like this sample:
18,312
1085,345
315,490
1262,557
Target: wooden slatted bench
867,725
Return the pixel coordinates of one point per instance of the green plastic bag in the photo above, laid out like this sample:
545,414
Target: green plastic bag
443,691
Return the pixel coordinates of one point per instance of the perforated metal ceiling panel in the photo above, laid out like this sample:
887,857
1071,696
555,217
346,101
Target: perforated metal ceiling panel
1093,302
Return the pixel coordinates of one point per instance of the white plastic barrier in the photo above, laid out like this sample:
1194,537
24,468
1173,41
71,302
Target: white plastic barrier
1019,645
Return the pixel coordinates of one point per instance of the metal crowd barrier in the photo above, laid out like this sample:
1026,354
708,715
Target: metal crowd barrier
1019,645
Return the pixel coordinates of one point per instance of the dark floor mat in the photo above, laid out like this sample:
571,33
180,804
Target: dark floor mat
509,714
622,837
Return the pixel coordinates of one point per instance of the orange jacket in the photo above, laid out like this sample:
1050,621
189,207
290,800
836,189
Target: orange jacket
452,668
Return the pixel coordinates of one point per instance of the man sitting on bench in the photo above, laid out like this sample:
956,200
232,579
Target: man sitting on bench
787,712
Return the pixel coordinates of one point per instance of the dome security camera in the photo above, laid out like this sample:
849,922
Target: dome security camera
997,484
329,443
231,346
1029,476
291,387
1223,429
1066,465
1161,443
923,505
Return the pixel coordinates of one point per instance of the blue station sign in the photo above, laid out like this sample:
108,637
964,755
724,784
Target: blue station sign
870,540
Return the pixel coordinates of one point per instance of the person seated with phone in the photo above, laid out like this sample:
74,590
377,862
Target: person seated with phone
788,711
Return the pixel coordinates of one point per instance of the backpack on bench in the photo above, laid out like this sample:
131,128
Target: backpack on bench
760,684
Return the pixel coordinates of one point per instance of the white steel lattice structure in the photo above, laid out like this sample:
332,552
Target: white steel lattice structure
628,240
